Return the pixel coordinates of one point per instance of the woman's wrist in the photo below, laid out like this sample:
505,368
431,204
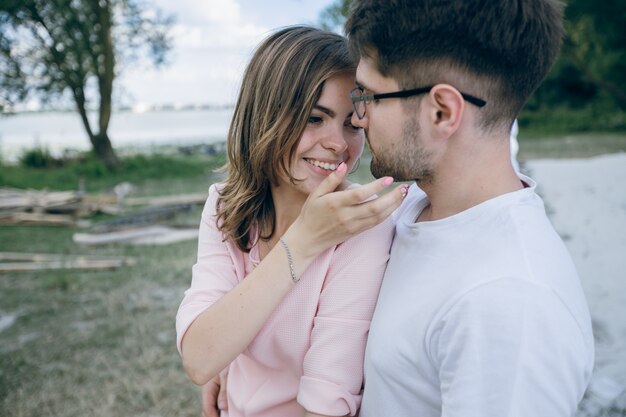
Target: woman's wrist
302,249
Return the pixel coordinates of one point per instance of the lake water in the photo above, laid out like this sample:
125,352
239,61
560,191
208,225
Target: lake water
64,130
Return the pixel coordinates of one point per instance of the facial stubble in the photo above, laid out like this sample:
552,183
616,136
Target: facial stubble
405,161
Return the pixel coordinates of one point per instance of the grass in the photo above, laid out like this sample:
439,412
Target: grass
88,343
138,169
85,343
580,145
561,121
93,343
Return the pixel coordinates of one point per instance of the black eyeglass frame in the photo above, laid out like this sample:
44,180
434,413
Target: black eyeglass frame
401,94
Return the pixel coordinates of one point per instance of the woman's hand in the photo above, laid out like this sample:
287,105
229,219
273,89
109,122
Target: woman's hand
329,217
214,399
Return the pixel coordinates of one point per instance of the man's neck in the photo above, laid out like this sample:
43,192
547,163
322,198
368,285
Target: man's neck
463,186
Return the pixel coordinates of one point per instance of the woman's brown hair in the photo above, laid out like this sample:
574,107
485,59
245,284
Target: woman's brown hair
280,86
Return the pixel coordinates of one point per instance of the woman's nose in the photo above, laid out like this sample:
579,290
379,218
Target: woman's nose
336,139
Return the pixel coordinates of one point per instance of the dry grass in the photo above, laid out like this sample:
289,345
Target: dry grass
93,343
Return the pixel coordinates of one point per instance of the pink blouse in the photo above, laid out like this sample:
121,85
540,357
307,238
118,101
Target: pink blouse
310,352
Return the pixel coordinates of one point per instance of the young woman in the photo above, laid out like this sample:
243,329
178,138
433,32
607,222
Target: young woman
278,295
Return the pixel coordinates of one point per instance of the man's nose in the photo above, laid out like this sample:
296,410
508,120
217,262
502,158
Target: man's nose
359,122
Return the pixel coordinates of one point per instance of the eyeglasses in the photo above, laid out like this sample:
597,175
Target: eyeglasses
359,99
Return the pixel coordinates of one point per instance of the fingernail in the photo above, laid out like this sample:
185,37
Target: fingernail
387,181
404,189
341,167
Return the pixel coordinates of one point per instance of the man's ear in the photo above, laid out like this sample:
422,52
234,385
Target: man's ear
446,108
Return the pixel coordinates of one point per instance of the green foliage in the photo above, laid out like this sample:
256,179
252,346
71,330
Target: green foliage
564,120
67,174
334,15
38,157
591,70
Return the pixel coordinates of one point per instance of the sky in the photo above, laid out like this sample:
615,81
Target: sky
213,41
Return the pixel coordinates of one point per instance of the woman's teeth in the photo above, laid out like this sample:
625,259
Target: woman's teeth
323,165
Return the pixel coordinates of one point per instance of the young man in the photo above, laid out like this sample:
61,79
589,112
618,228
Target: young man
481,312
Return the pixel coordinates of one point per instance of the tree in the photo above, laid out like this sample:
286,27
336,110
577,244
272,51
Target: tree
596,44
53,47
334,15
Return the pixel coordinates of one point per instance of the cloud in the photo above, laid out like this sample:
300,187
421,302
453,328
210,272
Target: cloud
218,35
200,12
211,24
212,42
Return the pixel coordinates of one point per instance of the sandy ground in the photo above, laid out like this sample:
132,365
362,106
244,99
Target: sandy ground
586,200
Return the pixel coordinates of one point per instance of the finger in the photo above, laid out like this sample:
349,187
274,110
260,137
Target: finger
387,209
367,215
359,225
365,192
209,399
331,182
381,207
222,397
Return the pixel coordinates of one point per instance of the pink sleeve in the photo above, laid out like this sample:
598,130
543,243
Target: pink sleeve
333,365
213,275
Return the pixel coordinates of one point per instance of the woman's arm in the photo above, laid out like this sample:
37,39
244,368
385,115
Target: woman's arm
333,364
224,330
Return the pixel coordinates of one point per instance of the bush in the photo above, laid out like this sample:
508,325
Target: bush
566,120
39,157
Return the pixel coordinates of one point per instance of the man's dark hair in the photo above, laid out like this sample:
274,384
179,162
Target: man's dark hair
498,50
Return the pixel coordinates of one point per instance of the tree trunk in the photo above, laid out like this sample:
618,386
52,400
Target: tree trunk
100,142
106,68
104,150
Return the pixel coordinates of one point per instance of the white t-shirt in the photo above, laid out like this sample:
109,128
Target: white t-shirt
514,144
480,314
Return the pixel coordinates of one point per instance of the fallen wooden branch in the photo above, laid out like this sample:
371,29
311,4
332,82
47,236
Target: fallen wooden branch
37,218
151,235
33,207
167,200
39,262
144,217
33,198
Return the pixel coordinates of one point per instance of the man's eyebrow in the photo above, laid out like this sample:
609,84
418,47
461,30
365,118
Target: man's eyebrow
324,110
361,86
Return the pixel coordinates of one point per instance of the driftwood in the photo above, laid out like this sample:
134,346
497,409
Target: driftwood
11,199
24,218
167,200
144,217
28,207
39,262
150,235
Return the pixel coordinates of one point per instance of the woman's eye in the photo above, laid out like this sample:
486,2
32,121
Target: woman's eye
315,119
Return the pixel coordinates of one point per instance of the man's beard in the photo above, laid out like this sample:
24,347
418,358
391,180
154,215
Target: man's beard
407,161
